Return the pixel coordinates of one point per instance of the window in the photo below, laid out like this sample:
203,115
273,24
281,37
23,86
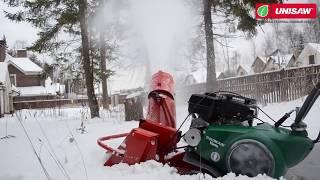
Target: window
311,59
13,79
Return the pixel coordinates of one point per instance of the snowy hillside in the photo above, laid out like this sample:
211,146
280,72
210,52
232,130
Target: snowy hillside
66,153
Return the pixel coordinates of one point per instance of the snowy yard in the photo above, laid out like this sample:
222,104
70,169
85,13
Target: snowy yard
66,153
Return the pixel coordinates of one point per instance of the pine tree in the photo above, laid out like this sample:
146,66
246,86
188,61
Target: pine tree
52,18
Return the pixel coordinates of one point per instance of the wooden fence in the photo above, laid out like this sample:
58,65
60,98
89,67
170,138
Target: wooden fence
267,87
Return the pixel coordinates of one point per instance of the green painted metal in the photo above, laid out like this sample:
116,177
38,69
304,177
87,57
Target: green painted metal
287,147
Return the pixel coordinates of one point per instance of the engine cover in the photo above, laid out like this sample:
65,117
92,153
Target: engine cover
222,107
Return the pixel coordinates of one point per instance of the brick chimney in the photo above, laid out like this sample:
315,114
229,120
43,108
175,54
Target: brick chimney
3,47
21,53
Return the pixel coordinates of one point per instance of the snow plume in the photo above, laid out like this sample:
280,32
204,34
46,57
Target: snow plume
151,35
163,27
153,32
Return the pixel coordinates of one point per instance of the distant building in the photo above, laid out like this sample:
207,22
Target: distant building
309,55
258,64
242,70
24,75
274,61
278,62
24,72
195,77
199,76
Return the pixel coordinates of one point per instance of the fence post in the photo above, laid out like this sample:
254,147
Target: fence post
256,79
283,86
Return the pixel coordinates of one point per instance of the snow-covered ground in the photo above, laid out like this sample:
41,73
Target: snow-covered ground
66,153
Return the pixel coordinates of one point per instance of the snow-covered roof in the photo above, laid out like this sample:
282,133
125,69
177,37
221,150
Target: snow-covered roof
316,46
130,77
50,88
199,75
25,65
36,91
218,73
132,95
262,58
247,68
281,59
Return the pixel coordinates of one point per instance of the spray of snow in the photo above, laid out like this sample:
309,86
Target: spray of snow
163,27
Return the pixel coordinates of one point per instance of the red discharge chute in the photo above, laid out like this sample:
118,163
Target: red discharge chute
156,135
161,106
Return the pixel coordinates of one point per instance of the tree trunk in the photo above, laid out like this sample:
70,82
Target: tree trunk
103,76
211,67
93,103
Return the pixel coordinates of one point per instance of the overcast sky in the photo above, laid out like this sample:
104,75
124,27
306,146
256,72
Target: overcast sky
25,32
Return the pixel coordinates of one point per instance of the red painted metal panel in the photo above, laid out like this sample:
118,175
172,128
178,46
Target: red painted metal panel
161,107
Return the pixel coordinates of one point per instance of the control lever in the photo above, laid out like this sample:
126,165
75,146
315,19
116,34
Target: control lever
284,117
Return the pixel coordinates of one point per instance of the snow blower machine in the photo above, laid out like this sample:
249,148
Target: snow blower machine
222,137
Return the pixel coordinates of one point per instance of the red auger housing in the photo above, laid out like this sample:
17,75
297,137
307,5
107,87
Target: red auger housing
156,135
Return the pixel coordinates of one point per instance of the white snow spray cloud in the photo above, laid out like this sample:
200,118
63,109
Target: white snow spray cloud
163,28
150,33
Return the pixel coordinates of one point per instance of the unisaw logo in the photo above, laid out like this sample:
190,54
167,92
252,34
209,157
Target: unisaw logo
286,11
263,10
293,10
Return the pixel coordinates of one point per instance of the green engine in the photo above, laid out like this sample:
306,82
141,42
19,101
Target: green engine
223,138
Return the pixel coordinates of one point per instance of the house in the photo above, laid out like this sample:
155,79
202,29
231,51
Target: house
221,75
242,70
195,77
278,61
24,74
309,55
6,104
258,64
199,76
274,61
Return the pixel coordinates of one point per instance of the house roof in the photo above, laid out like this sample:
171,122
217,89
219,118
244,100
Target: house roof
25,65
262,58
244,67
316,46
313,46
126,78
50,88
199,75
36,90
283,60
